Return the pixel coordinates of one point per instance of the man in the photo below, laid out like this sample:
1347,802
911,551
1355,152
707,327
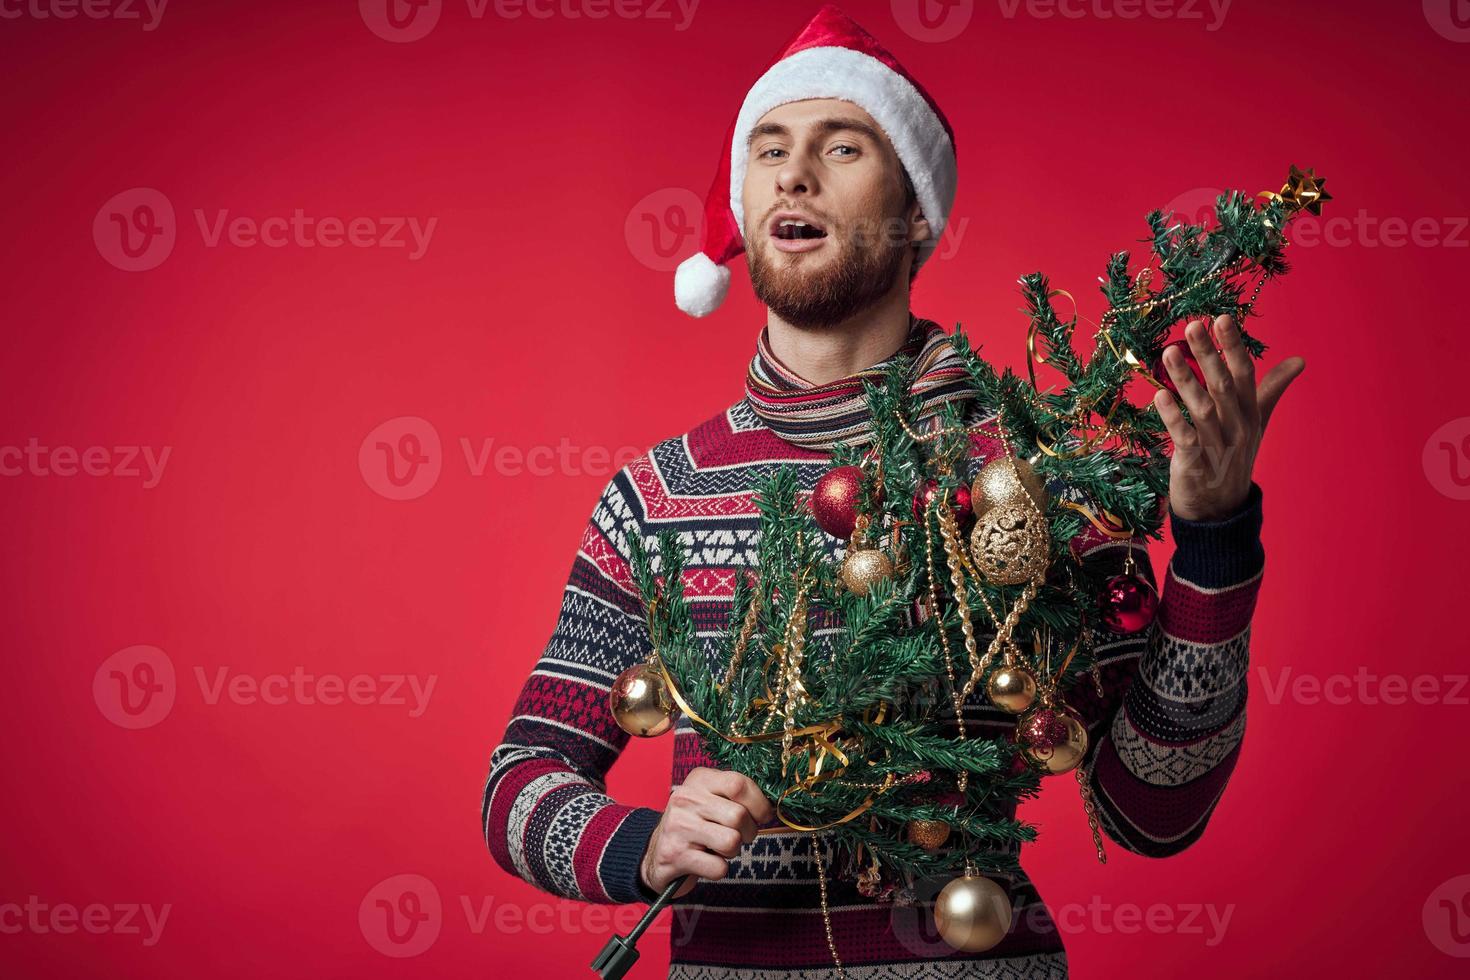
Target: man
836,181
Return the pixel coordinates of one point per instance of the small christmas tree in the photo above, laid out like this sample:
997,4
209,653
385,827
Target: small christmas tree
841,684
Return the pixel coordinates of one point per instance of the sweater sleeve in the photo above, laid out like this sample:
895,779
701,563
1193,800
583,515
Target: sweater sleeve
545,813
1167,732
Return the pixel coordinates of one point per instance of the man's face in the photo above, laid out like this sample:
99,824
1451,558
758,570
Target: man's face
827,163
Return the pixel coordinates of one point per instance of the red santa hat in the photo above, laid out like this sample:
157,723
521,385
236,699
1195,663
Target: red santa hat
831,58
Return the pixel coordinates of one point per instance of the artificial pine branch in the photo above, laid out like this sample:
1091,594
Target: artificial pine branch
876,687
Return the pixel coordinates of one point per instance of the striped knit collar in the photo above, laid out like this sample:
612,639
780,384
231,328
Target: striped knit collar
823,416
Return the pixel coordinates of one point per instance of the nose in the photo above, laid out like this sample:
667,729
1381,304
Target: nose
796,176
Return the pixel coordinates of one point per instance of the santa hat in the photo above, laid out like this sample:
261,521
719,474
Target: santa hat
831,58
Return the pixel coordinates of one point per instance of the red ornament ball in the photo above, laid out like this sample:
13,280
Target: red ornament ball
1043,729
835,499
1128,604
1161,373
959,501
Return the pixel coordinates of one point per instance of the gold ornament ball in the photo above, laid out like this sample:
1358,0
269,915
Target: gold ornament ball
972,913
640,702
1012,689
1066,755
928,834
1011,544
864,566
1007,480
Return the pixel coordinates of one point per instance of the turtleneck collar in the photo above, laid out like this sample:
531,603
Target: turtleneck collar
823,416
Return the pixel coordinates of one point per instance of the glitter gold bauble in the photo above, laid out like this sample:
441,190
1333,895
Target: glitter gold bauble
640,702
1006,480
928,834
864,566
1012,689
972,913
1066,754
1011,544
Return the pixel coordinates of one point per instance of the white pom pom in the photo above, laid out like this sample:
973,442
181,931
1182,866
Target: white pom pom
700,285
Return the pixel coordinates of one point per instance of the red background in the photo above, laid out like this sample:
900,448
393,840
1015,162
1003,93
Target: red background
534,316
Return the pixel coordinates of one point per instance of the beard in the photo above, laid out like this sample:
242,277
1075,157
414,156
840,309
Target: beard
805,294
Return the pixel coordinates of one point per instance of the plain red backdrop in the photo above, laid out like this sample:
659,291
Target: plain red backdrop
560,157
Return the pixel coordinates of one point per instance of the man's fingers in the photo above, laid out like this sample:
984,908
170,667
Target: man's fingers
1201,406
1180,431
728,813
744,791
1219,381
722,840
702,864
1274,385
1242,368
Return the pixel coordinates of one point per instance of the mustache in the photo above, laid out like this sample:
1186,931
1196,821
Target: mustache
818,216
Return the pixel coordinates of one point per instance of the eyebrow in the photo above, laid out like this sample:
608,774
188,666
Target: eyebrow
824,127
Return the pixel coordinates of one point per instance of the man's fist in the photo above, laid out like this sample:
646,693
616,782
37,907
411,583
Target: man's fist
710,816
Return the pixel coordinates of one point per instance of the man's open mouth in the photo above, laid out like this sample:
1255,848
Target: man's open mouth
796,228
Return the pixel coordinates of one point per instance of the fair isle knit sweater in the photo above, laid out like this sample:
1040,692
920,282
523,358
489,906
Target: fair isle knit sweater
1164,737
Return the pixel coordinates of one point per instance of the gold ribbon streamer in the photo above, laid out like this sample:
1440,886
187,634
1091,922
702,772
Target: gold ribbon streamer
1031,357
824,742
1093,519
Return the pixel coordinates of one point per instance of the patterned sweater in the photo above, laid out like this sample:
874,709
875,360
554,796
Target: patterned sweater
1165,735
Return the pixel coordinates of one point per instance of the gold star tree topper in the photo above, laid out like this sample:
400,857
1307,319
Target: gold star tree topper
1303,191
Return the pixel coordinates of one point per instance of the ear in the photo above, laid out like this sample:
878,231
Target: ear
919,229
